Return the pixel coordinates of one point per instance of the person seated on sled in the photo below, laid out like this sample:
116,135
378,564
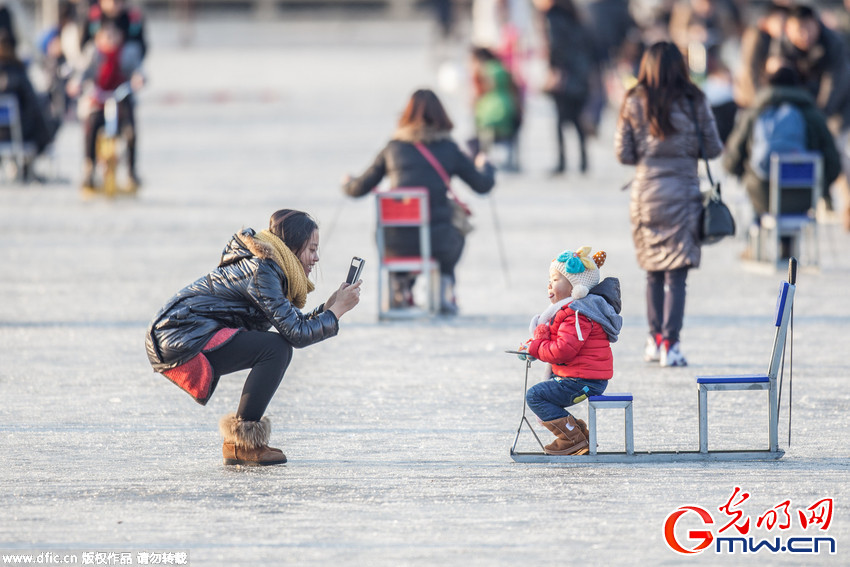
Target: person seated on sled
107,63
574,335
36,126
129,19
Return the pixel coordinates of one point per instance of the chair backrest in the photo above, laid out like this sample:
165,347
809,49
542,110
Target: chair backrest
404,207
10,117
782,317
795,183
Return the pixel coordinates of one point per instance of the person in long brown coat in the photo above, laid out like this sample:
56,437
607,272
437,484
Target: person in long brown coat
657,132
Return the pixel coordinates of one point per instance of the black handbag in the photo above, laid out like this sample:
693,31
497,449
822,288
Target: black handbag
716,221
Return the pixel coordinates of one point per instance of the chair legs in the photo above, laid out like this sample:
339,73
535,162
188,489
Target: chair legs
395,294
720,386
768,244
703,420
615,401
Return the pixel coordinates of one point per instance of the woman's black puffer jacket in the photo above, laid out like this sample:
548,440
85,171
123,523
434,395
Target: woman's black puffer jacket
246,291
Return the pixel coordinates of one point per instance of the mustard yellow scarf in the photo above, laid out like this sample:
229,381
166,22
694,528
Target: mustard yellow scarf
299,285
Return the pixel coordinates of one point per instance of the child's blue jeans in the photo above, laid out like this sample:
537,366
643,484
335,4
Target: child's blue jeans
548,399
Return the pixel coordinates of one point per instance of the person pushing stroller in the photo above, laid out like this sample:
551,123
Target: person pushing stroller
574,335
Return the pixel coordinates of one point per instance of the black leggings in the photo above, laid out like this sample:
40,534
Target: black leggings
267,354
569,112
665,302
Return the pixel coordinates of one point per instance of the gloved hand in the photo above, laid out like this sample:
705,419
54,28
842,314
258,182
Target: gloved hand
524,348
541,332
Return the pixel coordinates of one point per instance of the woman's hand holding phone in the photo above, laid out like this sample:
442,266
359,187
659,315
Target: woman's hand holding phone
344,299
348,295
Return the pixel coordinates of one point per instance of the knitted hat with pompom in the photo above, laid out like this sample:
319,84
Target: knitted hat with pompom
580,269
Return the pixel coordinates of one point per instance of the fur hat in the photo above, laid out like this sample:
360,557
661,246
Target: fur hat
580,269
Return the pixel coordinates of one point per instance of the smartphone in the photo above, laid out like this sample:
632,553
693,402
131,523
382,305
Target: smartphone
354,270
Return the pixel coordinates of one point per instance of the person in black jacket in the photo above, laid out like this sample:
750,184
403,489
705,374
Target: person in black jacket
783,87
759,43
8,26
220,324
570,54
819,55
128,19
425,123
36,126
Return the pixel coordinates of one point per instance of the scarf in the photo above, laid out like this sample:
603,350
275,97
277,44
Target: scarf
109,75
548,313
299,286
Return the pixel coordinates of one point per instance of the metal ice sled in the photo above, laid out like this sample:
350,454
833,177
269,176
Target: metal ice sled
770,381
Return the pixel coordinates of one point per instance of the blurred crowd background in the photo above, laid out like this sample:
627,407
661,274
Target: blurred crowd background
51,62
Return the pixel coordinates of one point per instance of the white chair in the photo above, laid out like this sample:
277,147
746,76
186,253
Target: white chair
14,148
611,401
796,186
768,381
405,207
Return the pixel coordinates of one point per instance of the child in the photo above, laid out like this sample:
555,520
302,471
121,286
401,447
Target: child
574,334
497,104
107,63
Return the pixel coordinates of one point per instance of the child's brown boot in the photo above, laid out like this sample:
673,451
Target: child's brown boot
570,440
583,426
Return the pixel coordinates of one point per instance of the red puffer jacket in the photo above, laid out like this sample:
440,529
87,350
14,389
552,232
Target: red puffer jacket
557,343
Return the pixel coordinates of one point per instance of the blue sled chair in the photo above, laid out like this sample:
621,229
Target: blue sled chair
14,149
705,384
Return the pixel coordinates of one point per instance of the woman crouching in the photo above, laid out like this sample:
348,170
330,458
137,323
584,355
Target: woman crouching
221,324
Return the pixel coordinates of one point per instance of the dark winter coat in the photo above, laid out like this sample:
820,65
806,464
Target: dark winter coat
825,69
666,201
818,138
129,21
246,291
35,127
7,26
756,47
610,24
405,166
721,23
571,53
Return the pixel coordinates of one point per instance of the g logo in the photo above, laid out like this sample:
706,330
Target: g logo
704,535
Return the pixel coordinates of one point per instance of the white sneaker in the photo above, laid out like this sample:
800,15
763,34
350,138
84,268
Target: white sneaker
671,355
652,350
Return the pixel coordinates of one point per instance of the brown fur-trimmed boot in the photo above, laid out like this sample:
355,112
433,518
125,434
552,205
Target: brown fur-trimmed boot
567,442
247,442
583,426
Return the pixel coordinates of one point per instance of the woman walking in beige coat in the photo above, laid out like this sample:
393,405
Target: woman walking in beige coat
658,128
